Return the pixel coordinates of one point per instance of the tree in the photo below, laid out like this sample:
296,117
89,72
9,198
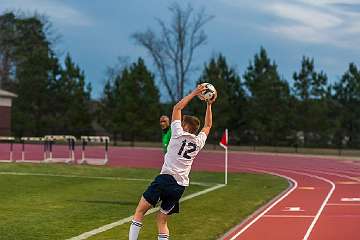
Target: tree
107,109
71,101
7,50
308,84
310,88
13,43
51,99
131,103
228,110
347,94
34,60
173,49
268,114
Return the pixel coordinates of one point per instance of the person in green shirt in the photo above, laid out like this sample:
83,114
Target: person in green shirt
166,131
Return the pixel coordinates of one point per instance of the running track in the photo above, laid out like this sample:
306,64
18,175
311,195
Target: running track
321,203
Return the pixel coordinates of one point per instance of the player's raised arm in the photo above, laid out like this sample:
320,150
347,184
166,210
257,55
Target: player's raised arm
176,114
208,117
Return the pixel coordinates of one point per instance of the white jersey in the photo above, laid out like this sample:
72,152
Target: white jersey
182,149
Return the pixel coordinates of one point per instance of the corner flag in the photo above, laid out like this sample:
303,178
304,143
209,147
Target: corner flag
224,144
224,139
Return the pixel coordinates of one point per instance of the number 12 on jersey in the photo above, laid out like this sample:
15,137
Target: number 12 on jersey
191,146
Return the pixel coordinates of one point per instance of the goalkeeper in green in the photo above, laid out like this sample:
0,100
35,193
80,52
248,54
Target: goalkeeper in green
166,131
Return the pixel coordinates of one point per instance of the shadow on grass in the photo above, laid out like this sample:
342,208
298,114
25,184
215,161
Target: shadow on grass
126,203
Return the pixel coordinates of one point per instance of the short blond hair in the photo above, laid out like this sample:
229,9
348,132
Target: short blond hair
193,123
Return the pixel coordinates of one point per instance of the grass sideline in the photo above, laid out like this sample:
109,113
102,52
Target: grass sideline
209,216
56,207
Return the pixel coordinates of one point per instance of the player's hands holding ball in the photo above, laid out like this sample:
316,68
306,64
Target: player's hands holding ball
206,92
198,90
213,99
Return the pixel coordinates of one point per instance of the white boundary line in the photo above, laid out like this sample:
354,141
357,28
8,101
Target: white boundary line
71,176
128,219
272,205
90,177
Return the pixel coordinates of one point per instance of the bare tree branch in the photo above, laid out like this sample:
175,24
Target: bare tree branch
172,50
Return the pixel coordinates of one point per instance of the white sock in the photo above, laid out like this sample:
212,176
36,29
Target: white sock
163,236
134,230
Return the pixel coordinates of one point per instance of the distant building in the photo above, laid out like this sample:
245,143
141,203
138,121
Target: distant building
5,112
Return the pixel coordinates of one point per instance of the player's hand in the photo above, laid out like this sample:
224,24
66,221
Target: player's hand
198,90
211,101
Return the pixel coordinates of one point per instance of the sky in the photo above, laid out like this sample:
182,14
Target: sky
97,32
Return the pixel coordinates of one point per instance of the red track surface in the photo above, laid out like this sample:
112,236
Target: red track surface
323,202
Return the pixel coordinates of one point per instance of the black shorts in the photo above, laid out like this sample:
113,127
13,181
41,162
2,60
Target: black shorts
165,189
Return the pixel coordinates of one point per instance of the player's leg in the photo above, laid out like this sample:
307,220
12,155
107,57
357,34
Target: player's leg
136,223
170,196
148,200
163,230
141,209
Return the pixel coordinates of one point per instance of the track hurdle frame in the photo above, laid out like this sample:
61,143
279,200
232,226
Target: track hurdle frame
94,139
10,140
23,152
50,140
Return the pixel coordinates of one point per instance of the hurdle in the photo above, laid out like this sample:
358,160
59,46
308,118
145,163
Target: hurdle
10,140
50,140
23,150
94,139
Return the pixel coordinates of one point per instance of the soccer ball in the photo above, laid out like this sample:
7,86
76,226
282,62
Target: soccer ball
209,93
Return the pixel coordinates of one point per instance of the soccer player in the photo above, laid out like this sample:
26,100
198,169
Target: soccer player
166,131
169,186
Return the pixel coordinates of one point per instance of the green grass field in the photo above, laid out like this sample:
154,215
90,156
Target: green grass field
76,199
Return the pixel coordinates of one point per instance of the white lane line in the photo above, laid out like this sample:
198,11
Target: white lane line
266,210
347,183
350,199
333,174
253,168
293,209
306,188
128,219
344,204
354,172
337,173
90,177
289,216
272,205
317,216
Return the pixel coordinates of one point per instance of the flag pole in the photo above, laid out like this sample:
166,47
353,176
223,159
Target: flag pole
226,158
224,144
226,166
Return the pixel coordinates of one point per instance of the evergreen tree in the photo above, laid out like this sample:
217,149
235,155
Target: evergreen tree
228,110
51,99
269,111
71,101
133,104
347,94
139,103
312,110
104,114
8,28
33,64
